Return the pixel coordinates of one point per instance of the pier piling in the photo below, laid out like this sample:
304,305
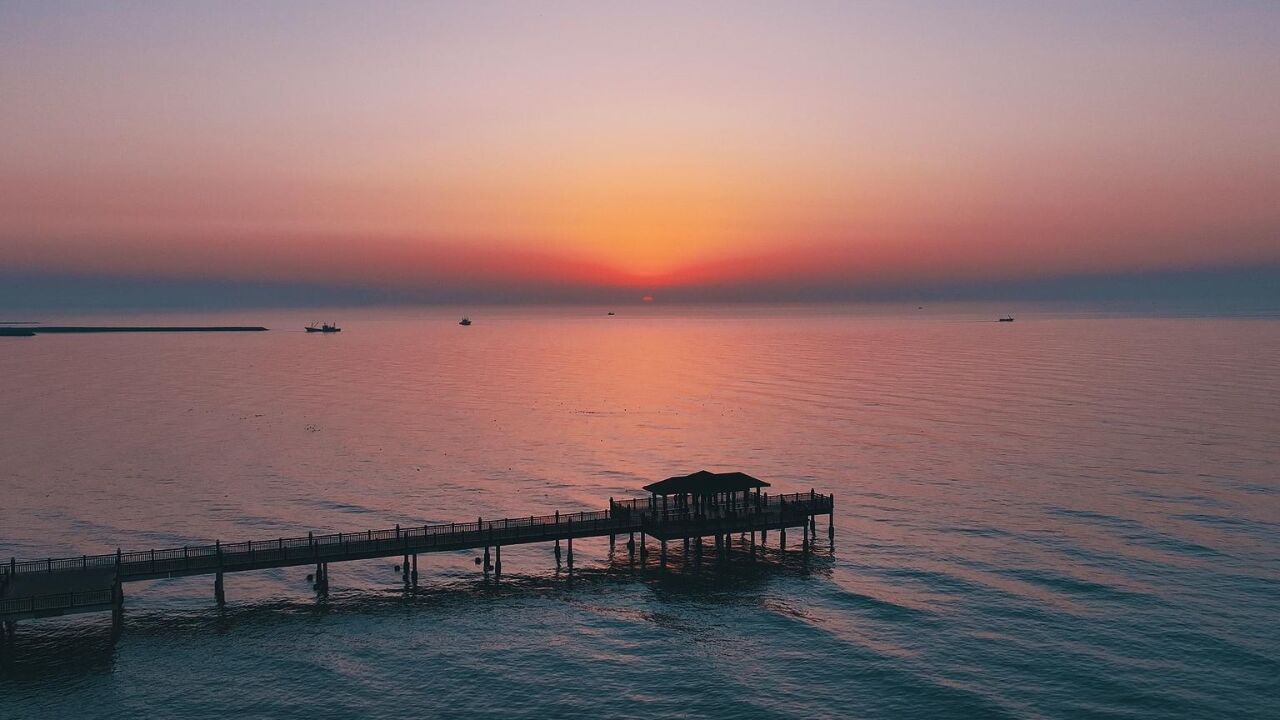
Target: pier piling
831,519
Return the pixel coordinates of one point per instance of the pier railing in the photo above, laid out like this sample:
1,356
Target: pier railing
55,601
623,516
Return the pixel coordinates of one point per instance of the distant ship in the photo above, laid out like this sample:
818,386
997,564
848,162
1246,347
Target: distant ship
464,321
612,313
324,328
1006,318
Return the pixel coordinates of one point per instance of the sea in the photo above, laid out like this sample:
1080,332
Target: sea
1073,515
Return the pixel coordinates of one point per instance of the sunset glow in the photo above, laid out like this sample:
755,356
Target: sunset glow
637,147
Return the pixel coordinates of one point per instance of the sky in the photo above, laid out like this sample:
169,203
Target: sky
541,149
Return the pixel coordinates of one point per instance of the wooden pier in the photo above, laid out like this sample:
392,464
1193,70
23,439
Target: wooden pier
89,583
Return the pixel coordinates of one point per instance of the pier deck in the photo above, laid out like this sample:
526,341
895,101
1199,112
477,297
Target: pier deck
43,588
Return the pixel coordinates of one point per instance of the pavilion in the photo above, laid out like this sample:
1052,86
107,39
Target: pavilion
702,490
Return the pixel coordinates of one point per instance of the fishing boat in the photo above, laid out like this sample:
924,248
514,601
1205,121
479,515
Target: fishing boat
464,321
324,328
1006,318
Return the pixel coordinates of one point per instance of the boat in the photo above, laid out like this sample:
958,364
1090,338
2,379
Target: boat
324,328
612,313
1006,318
464,321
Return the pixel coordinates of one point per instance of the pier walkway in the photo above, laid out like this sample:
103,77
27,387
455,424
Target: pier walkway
51,587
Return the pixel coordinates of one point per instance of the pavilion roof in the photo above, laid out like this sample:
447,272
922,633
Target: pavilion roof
704,482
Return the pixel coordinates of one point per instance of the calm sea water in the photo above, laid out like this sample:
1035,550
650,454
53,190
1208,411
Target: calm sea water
1059,517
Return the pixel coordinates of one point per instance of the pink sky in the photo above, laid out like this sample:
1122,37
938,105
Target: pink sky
647,146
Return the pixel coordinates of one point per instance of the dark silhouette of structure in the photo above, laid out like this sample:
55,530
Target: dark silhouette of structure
705,504
76,329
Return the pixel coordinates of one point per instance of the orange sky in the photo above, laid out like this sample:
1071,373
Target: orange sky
637,146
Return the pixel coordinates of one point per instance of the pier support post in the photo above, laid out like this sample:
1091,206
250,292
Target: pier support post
662,554
497,560
831,519
487,565
404,568
414,572
219,593
644,551
631,547
557,552
806,546
782,538
117,607
569,557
